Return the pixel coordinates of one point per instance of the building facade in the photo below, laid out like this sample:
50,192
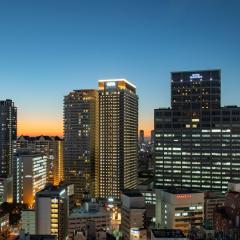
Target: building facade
196,140
52,147
27,236
8,136
6,190
226,218
141,137
81,140
90,214
52,210
211,201
133,212
179,209
116,168
28,219
29,176
4,225
167,234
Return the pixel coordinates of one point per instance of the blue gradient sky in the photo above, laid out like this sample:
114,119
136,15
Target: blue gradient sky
49,47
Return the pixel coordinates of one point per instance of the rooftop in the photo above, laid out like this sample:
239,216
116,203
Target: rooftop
80,213
168,233
193,71
117,80
214,195
36,237
51,190
39,138
181,191
132,193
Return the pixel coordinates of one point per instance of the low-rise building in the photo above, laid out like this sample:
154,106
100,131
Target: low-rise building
179,209
27,236
52,210
211,201
6,189
146,188
167,234
226,219
132,214
89,220
4,222
28,218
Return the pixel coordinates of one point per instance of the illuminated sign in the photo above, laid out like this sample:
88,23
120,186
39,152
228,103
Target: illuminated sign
134,231
111,84
196,76
134,234
183,196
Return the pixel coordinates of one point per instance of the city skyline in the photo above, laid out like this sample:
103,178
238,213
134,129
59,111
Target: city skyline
50,49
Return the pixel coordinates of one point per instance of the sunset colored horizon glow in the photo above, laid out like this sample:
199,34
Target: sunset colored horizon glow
52,128
36,128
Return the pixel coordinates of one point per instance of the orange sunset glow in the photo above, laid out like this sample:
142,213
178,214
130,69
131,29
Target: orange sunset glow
34,127
38,127
147,126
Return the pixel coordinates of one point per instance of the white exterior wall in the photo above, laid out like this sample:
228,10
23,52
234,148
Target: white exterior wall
168,217
44,215
29,221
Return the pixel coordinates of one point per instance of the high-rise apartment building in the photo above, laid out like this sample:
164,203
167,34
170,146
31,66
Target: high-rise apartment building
52,147
8,136
80,140
197,142
29,176
52,210
116,169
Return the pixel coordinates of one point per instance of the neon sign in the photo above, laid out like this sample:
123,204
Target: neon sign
183,196
196,76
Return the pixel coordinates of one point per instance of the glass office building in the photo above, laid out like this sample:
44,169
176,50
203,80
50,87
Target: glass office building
197,142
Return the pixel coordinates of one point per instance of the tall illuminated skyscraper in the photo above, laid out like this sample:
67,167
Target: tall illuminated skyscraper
197,142
116,169
8,136
80,140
